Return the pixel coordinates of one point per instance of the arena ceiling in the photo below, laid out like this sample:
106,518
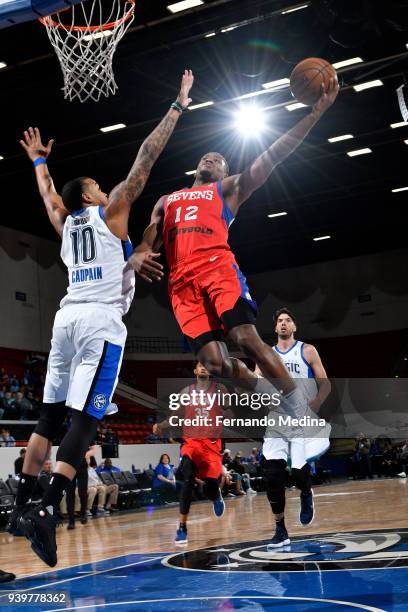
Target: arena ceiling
322,189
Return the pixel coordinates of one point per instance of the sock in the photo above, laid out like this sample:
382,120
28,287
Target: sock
55,492
281,523
25,489
183,526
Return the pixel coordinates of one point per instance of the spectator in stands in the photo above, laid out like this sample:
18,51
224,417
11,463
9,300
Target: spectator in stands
362,450
6,439
35,402
227,458
227,461
164,479
10,411
97,488
18,464
253,457
390,465
107,467
3,391
24,407
239,469
14,384
44,478
4,377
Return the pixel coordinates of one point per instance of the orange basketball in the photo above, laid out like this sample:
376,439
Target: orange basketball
307,78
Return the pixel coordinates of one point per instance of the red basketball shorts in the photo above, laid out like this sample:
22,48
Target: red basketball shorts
202,294
206,456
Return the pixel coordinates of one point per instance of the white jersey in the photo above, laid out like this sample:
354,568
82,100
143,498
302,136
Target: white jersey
298,367
96,261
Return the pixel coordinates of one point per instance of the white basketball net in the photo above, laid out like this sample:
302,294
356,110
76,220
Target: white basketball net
85,38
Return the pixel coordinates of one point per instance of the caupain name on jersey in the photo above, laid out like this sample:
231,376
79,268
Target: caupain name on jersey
87,274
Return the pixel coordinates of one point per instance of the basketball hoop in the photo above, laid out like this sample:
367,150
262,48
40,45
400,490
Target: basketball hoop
85,37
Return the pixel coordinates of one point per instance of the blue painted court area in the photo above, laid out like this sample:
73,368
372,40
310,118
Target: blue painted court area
244,576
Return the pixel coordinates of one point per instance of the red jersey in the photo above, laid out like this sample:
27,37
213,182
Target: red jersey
203,409
196,222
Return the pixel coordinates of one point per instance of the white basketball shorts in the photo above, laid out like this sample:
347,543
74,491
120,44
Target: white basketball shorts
86,354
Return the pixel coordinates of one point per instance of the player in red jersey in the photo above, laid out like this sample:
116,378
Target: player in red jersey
201,447
208,292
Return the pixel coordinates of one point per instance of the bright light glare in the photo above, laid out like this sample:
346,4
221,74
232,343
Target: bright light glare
349,62
250,121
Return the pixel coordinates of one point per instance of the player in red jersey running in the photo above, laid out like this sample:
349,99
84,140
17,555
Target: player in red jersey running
208,292
201,446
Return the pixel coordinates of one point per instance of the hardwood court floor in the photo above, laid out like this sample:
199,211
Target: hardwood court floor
350,506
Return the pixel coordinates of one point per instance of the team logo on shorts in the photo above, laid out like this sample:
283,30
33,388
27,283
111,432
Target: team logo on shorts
311,553
100,401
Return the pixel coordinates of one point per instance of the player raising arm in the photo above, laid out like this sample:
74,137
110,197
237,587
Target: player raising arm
208,292
88,335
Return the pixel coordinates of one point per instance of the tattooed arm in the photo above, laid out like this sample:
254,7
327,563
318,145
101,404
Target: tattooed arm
124,194
35,150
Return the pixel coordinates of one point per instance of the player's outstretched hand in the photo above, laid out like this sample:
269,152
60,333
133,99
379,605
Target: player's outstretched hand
186,84
33,146
327,97
145,265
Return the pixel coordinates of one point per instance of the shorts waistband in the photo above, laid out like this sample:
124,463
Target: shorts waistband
93,305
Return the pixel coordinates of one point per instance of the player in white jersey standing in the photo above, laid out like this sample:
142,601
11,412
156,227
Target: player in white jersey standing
303,363
88,335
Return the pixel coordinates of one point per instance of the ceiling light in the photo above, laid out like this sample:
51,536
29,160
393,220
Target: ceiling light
368,85
183,5
295,8
252,94
201,105
3,65
210,34
112,128
295,106
228,29
281,214
273,84
250,121
1,157
406,142
321,238
399,189
96,35
349,62
190,172
339,138
358,152
398,125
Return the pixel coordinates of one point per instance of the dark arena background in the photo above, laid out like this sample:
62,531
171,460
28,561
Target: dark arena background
324,238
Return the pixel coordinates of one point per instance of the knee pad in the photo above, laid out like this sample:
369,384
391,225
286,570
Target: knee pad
51,419
78,438
274,471
302,478
187,470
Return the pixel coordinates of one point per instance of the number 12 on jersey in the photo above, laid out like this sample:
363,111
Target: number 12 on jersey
190,213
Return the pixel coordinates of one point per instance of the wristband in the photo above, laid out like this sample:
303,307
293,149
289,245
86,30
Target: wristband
38,161
177,106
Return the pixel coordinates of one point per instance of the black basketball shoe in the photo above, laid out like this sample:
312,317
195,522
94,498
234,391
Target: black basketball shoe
39,526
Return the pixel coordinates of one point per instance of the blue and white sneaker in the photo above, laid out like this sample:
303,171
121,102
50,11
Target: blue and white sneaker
306,514
181,537
219,505
281,538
